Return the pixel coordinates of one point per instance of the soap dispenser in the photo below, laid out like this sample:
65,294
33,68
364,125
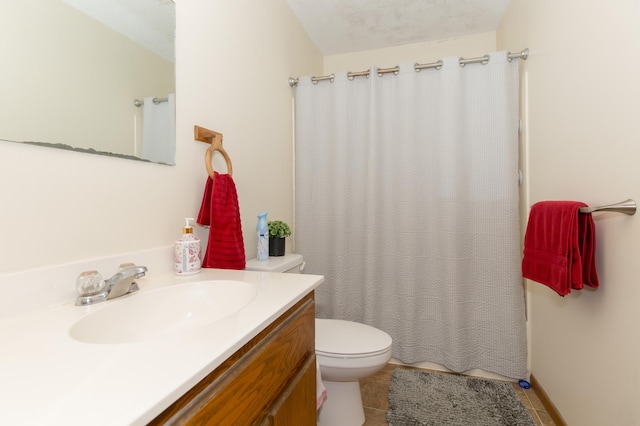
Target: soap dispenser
262,230
187,251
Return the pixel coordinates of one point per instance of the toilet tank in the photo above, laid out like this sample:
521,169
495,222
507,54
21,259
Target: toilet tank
290,263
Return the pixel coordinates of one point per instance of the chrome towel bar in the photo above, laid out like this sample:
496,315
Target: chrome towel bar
626,207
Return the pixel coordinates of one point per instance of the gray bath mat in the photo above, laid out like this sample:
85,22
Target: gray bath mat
418,398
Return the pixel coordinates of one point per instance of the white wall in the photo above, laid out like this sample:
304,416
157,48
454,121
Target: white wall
582,130
233,61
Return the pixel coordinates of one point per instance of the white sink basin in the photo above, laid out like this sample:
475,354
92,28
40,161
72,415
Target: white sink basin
156,313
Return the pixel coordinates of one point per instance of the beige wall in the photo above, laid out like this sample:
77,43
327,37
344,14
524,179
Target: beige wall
468,47
581,133
233,61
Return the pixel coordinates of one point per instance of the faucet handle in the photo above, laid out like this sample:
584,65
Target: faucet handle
90,283
140,271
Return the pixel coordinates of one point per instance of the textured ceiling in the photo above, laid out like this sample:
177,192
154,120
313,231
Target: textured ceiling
341,26
335,26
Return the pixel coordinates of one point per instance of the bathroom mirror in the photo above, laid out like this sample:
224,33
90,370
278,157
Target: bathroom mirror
72,70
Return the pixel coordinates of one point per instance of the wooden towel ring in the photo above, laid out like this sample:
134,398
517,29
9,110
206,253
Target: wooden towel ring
215,139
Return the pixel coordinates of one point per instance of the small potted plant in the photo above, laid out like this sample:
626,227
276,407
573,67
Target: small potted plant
278,231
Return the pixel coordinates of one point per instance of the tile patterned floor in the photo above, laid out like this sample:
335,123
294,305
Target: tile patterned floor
375,390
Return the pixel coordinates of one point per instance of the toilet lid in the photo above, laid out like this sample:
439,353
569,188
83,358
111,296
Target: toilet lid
348,338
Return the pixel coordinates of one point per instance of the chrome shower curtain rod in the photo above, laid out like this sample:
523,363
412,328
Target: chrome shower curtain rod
140,102
524,54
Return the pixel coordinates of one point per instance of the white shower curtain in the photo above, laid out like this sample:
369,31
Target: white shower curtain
407,201
159,130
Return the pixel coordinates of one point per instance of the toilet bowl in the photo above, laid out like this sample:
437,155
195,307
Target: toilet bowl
346,351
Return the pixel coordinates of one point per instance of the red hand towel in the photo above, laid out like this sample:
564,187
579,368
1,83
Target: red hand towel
220,210
559,246
588,250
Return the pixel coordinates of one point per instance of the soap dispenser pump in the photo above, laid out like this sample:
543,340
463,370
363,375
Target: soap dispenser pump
187,251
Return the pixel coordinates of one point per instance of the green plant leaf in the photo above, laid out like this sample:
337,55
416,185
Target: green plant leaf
278,229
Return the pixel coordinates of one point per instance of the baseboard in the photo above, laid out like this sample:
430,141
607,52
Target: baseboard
548,405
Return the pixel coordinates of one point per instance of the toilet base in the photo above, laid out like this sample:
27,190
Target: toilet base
343,406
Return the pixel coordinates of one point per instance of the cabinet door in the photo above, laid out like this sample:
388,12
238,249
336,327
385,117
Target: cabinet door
296,405
243,390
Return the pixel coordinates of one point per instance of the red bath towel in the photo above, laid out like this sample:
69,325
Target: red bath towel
560,246
220,210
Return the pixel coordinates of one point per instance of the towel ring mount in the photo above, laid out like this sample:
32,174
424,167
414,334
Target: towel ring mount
215,139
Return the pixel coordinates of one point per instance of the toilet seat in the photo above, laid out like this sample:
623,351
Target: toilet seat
348,339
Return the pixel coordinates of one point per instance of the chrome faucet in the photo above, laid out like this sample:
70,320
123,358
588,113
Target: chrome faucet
93,290
122,282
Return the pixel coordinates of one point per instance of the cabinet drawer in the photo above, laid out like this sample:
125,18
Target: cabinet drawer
244,387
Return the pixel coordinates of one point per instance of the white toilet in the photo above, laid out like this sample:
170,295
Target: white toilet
346,351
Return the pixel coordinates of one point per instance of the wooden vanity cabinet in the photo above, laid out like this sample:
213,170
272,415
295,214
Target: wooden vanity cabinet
269,381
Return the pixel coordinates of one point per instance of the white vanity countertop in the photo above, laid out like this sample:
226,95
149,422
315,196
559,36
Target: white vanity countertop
49,378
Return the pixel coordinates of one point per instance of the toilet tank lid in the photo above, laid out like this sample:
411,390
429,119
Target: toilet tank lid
275,263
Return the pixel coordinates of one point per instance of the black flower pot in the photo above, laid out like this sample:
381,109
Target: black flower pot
276,246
